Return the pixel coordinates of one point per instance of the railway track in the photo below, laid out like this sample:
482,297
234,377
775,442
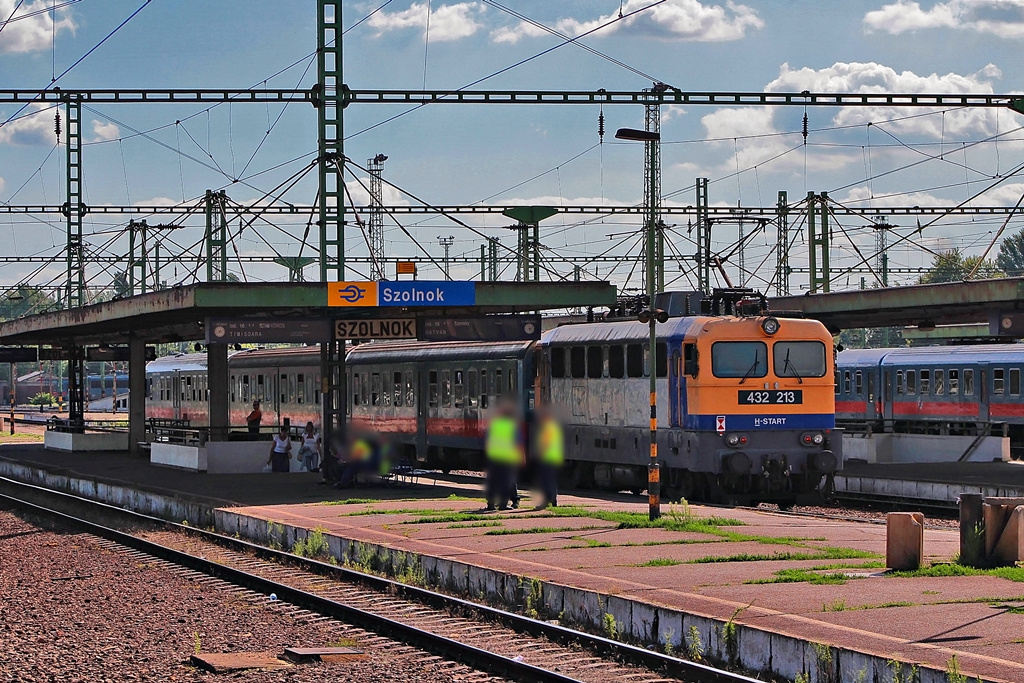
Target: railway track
490,640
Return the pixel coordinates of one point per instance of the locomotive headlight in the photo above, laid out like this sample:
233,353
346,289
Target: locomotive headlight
817,438
770,326
735,440
811,439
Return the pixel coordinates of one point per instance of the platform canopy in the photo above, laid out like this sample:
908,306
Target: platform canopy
924,306
179,314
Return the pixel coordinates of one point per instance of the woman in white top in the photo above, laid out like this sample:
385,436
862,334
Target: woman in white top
281,453
309,452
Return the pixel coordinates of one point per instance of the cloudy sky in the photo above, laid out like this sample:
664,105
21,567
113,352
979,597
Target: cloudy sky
449,154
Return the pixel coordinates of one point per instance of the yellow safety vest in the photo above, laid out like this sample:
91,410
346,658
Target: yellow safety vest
361,451
502,446
552,444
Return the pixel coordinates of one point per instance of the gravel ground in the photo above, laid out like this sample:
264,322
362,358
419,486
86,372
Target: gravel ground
75,611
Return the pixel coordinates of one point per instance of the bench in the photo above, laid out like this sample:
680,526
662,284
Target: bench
168,429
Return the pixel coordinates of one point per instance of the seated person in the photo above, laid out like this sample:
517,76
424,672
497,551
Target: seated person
360,459
333,464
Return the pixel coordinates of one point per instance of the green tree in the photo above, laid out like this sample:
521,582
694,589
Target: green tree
953,266
1011,254
24,300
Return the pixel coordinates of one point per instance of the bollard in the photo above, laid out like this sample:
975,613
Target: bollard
972,530
904,540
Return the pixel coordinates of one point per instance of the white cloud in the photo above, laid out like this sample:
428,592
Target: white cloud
688,20
3,184
157,201
870,77
105,131
32,32
671,111
33,127
1003,18
447,22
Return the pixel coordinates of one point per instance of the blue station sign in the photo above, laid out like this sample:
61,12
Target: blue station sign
407,293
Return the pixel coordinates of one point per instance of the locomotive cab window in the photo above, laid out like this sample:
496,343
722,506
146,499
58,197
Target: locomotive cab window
690,359
739,359
661,360
799,359
997,381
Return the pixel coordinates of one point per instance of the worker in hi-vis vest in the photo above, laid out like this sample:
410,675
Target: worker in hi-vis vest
504,451
549,452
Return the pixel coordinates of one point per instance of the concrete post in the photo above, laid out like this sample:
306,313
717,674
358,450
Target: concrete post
136,394
904,540
217,374
972,529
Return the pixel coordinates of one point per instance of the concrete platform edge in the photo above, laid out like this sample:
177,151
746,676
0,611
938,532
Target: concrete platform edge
718,641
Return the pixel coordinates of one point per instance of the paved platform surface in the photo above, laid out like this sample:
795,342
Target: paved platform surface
761,567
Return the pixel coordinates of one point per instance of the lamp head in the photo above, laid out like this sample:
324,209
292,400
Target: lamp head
637,135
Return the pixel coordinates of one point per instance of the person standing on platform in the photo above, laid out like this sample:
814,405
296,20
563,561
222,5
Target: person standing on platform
254,418
549,450
281,452
309,451
504,451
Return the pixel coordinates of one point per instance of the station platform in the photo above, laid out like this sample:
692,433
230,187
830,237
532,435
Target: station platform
780,594
930,483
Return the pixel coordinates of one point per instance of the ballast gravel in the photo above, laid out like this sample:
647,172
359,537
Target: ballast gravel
72,610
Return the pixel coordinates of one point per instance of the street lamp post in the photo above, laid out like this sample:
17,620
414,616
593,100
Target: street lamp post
651,316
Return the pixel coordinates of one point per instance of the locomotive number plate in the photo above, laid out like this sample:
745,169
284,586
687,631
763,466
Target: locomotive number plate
771,397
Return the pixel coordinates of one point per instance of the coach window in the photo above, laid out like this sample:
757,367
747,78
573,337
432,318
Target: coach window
374,389
446,387
968,381
471,389
595,363
512,390
316,390
577,362
387,388
483,388
940,382
260,387
233,389
410,394
838,379
1014,381
846,382
741,359
366,388
997,381
245,389
954,382
557,362
432,389
858,382
911,382
398,388
355,388
498,377
899,382
634,360
926,382
301,393
459,389
616,362
647,360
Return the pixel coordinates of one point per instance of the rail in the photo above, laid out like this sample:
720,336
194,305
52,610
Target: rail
37,499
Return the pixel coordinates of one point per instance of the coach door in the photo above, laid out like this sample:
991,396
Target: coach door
872,396
983,396
177,388
887,394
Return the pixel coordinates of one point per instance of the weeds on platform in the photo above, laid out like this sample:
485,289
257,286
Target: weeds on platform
538,530
950,569
818,554
694,645
659,562
837,605
471,525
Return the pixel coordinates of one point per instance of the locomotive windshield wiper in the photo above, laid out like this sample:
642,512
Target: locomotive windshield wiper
751,370
787,364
